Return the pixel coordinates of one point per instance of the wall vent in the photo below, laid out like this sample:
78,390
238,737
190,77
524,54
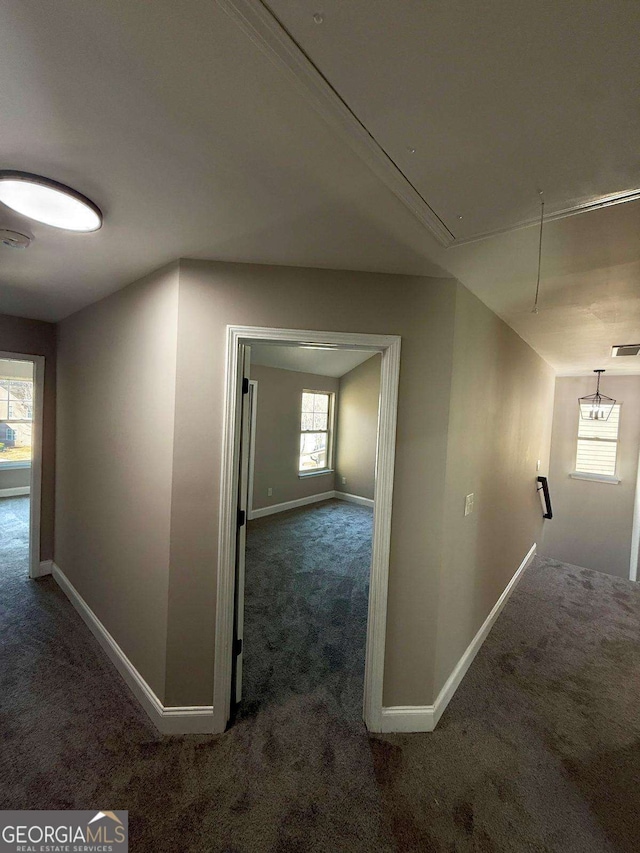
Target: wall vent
625,349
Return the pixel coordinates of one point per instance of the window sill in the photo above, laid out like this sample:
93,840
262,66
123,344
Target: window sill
10,466
595,478
304,474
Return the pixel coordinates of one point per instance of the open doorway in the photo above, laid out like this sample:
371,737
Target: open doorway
303,557
313,420
21,387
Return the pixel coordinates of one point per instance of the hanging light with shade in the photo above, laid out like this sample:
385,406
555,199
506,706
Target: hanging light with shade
596,407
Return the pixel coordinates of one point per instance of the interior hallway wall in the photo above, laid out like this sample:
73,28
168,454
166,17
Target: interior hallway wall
499,427
214,294
592,522
116,406
278,435
139,452
34,337
357,429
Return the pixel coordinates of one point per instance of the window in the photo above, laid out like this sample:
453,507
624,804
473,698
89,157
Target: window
16,417
598,445
315,432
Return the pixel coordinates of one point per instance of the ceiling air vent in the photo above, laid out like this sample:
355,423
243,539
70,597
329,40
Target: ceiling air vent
625,349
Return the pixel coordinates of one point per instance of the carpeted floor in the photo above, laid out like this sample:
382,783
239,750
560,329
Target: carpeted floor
538,750
306,598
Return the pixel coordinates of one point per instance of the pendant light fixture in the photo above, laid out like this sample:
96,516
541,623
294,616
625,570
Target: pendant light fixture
534,310
49,202
596,407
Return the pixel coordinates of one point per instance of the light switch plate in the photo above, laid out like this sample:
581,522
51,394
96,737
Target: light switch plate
269,492
468,504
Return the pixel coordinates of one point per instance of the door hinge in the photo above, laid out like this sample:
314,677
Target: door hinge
245,385
237,646
242,517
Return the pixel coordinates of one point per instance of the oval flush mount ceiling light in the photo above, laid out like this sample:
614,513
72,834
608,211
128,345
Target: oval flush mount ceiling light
49,202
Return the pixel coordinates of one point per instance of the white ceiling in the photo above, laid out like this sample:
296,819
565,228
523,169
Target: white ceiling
322,362
197,143
190,140
589,292
499,100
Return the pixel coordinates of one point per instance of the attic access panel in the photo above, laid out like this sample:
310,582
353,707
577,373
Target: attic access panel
480,106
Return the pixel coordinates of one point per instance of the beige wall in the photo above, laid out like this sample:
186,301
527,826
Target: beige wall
592,522
499,426
278,435
357,431
138,520
116,402
213,295
33,337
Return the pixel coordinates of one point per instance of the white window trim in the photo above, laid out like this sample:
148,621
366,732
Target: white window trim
596,478
302,475
329,431
9,466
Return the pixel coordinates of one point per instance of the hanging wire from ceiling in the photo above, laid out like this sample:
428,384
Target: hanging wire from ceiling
534,310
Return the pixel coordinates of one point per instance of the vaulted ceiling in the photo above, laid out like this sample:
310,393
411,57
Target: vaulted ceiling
365,135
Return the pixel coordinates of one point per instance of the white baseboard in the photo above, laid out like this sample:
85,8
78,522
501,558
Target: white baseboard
200,719
424,718
187,720
168,720
354,499
13,493
312,499
408,718
45,568
283,507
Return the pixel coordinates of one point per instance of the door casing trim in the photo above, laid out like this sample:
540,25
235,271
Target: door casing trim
389,347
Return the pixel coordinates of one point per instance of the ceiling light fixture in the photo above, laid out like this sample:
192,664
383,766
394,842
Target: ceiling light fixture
596,407
49,202
534,310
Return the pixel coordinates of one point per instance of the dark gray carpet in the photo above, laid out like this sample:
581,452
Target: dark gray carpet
538,750
306,598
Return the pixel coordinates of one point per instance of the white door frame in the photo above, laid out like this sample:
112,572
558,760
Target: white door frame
389,347
253,383
635,531
35,483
